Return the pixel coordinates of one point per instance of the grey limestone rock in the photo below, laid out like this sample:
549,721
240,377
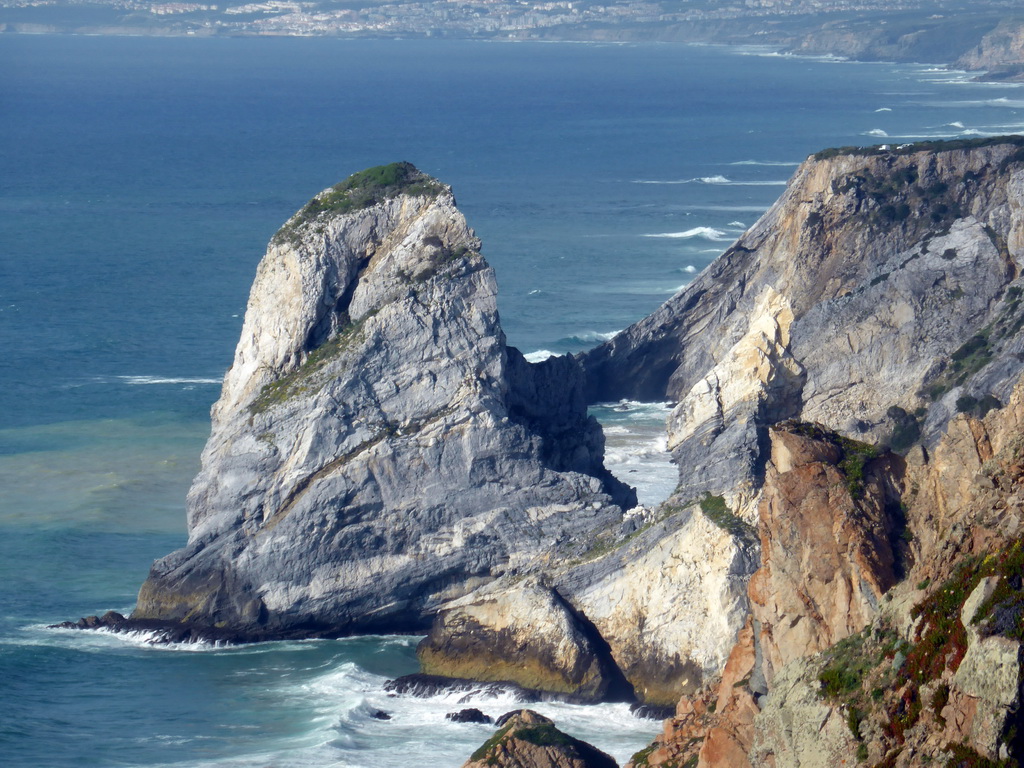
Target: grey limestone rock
377,447
379,453
525,633
851,296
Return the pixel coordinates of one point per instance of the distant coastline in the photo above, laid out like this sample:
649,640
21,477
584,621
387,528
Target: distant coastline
985,37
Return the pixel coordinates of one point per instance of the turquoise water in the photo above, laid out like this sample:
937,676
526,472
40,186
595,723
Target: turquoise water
139,183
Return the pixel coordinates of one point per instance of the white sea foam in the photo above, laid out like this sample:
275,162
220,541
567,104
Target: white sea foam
104,639
876,132
345,729
705,233
143,380
717,179
689,268
770,163
955,124
539,356
613,430
589,337
884,109
739,224
636,447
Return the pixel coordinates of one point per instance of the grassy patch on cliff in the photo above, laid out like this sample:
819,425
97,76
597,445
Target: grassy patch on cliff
545,735
488,746
908,201
854,457
906,428
361,190
299,381
895,682
963,756
717,511
977,352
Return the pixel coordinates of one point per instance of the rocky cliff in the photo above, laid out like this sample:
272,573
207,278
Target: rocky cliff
377,447
876,298
930,674
380,459
1000,52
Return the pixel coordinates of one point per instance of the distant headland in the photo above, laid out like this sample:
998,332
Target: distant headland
986,36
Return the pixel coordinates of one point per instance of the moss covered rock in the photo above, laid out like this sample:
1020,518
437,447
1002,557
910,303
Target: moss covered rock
526,739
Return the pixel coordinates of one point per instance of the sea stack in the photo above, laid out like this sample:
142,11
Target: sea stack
377,448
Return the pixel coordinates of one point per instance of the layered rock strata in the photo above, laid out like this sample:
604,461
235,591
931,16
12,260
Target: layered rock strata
878,297
933,673
377,447
530,636
526,739
380,459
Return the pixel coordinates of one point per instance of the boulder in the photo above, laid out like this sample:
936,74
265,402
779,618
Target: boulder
471,715
525,633
526,739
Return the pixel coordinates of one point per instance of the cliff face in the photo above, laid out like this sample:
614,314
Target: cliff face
377,447
873,298
381,460
928,673
1000,52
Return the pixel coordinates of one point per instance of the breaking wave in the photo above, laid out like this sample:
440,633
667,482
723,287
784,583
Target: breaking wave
705,233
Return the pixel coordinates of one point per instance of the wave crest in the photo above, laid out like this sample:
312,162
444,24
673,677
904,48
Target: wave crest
705,233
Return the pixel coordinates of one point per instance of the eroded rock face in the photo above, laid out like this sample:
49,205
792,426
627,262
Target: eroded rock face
379,453
527,634
878,297
666,601
377,448
1000,51
924,682
985,689
826,542
526,739
848,297
826,527
797,728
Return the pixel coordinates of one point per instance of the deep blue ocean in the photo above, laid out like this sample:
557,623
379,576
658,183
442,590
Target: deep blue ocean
140,180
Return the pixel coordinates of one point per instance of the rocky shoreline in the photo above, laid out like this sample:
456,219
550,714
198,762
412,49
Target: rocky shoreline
848,398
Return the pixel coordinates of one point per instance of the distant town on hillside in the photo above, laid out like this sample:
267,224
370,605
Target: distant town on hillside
907,30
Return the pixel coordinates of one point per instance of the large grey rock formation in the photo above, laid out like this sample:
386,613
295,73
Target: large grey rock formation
377,447
380,458
877,297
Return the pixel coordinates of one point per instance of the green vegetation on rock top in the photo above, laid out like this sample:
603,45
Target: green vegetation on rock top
855,454
363,189
717,511
925,146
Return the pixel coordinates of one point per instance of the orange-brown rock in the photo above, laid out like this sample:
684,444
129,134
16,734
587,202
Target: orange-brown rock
716,727
728,741
526,739
827,534
827,527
